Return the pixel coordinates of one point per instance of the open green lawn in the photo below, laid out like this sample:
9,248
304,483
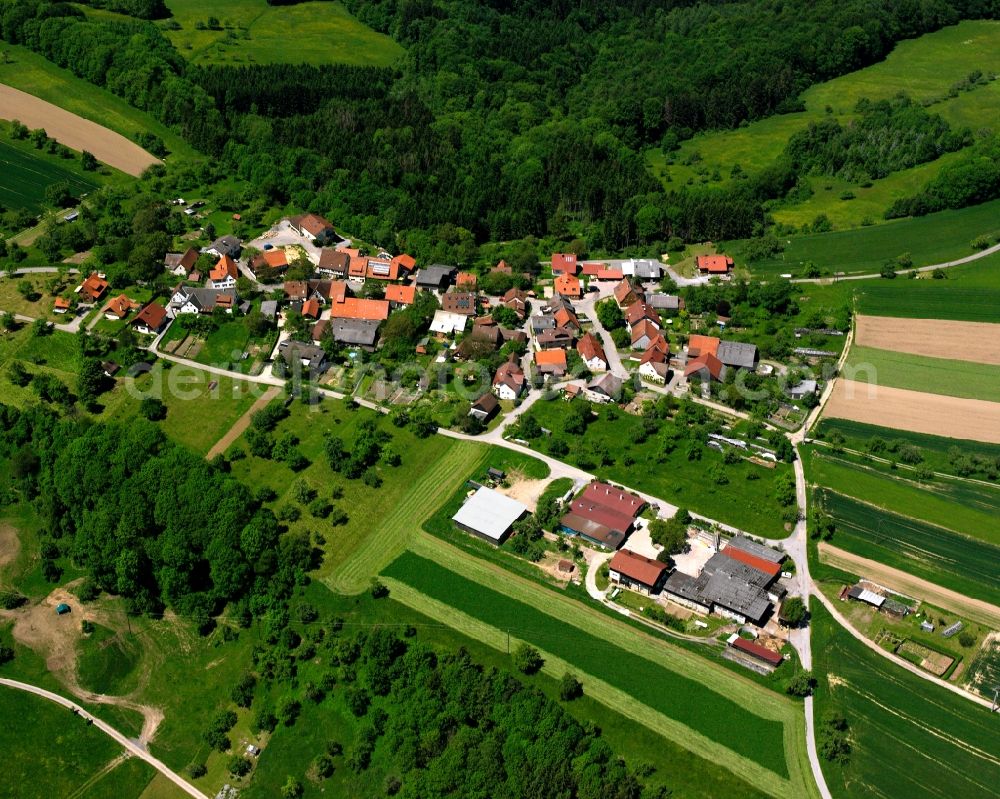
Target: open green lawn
961,506
952,378
251,31
937,554
35,75
935,238
27,174
107,662
49,752
937,452
908,737
748,504
925,68
716,714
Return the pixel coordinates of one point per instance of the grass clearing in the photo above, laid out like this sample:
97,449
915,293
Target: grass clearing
960,506
253,32
106,662
33,74
609,652
934,553
926,68
952,378
908,737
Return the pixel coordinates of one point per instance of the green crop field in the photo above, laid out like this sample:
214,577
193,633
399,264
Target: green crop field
35,75
908,737
937,451
926,68
932,239
26,175
961,506
952,378
251,31
49,752
933,553
687,697
683,482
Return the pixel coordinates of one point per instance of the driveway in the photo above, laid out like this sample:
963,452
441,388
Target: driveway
283,235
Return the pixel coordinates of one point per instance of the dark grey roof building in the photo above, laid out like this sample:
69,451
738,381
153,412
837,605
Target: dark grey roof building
355,332
664,302
435,277
757,550
309,355
737,354
225,245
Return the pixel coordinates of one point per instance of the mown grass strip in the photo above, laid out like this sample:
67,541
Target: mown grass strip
389,538
601,690
661,685
952,378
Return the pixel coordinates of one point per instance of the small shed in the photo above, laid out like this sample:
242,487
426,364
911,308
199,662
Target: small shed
62,608
496,474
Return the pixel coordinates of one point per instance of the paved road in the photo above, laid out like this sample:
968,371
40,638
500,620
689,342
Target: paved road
945,265
130,746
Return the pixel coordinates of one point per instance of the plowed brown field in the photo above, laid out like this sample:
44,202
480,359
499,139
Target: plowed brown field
978,342
74,131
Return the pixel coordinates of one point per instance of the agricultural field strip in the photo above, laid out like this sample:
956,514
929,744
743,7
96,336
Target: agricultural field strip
567,610
946,377
976,342
614,698
905,583
389,538
934,503
917,411
923,549
74,131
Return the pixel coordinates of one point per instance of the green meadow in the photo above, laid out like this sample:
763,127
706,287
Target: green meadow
926,68
253,32
27,174
908,737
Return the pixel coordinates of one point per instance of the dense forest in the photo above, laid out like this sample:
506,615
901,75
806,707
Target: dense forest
504,120
148,519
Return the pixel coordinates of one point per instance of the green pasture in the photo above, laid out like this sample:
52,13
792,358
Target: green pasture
932,239
745,503
926,68
934,553
27,174
937,451
738,718
48,752
952,378
33,74
960,506
106,662
253,32
908,737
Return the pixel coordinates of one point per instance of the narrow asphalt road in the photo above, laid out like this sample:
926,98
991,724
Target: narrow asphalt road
130,746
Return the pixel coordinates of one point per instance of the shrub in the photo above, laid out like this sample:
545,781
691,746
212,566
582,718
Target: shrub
570,687
527,659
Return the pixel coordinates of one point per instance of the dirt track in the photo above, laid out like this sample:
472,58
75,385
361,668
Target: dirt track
974,609
242,423
978,342
74,131
934,414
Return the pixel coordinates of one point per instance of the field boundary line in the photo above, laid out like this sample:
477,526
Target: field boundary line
614,698
569,610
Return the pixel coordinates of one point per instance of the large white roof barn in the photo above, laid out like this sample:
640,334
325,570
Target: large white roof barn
489,515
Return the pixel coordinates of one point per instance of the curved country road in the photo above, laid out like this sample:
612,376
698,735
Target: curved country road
945,265
130,746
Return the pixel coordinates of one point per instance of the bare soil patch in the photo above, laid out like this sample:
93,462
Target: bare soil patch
908,585
75,131
978,342
934,414
10,545
56,638
524,489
